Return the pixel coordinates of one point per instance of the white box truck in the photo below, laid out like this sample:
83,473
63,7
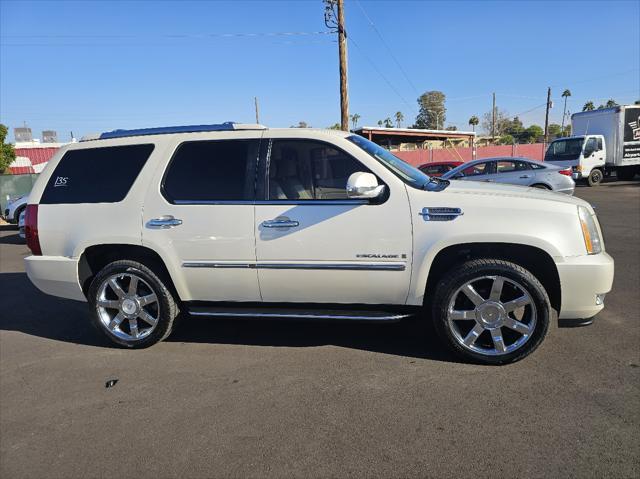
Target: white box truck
602,141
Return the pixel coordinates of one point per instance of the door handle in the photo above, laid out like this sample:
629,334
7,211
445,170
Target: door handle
164,222
280,223
525,176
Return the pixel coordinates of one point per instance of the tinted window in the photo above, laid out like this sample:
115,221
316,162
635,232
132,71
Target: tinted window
309,170
202,171
477,169
96,175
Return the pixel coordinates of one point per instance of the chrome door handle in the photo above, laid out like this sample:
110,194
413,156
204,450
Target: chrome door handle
164,222
280,223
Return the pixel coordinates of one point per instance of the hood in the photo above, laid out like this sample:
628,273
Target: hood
510,191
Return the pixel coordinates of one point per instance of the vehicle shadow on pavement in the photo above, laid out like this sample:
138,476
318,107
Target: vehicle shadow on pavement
12,239
27,310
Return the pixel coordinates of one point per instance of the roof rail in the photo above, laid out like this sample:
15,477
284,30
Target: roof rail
165,130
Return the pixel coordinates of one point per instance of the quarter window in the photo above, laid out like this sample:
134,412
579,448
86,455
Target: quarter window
309,170
209,171
96,175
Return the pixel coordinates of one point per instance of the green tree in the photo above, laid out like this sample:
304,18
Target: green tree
514,127
335,126
388,123
555,130
566,131
533,134
565,94
7,153
301,124
506,140
432,112
611,103
452,128
473,121
399,119
380,123
589,106
354,120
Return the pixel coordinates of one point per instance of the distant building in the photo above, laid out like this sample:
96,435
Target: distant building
49,136
32,157
22,134
415,138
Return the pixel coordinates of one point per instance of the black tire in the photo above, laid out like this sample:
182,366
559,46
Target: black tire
17,213
595,177
166,309
541,186
626,173
448,288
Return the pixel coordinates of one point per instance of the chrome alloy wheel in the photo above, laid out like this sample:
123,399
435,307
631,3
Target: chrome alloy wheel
127,306
492,315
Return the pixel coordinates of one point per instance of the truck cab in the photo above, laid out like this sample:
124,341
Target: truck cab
586,155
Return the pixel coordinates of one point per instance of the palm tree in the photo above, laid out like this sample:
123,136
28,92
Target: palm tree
354,120
588,106
473,121
565,94
388,123
611,103
380,123
399,118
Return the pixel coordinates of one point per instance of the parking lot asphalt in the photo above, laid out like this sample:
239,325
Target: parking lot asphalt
229,398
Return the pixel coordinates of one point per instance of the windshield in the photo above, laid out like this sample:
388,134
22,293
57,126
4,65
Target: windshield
562,150
407,173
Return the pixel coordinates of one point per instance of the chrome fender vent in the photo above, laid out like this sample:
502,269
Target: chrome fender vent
440,213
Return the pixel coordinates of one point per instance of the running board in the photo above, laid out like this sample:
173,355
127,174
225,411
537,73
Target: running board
297,314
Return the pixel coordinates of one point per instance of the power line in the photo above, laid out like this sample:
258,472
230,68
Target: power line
169,35
373,65
375,29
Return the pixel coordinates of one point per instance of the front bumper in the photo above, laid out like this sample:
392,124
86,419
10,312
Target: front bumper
584,280
55,275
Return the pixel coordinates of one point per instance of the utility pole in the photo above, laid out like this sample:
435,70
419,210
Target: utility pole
546,117
334,20
255,100
493,118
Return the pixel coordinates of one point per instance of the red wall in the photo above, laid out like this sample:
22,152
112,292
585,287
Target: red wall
534,151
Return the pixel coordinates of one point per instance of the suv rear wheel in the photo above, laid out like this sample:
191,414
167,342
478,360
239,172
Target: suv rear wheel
491,311
131,305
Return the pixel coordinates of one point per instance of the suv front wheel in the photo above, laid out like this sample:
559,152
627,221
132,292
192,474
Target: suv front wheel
131,305
491,311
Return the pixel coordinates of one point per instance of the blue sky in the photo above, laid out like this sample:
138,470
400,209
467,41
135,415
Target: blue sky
96,65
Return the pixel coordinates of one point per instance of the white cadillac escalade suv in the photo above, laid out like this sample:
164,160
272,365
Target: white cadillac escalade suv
239,220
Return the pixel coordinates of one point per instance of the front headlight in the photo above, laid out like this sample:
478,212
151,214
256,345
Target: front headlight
592,240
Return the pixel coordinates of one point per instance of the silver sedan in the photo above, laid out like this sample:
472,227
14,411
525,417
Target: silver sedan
515,171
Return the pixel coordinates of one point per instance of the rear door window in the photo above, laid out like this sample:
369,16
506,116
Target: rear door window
212,171
477,169
96,175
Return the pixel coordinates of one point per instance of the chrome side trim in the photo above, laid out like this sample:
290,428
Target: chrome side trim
215,264
387,317
439,213
336,266
382,266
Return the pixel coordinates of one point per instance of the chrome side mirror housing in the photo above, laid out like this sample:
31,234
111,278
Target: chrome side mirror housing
361,185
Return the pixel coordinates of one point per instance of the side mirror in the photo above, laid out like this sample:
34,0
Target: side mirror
364,186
